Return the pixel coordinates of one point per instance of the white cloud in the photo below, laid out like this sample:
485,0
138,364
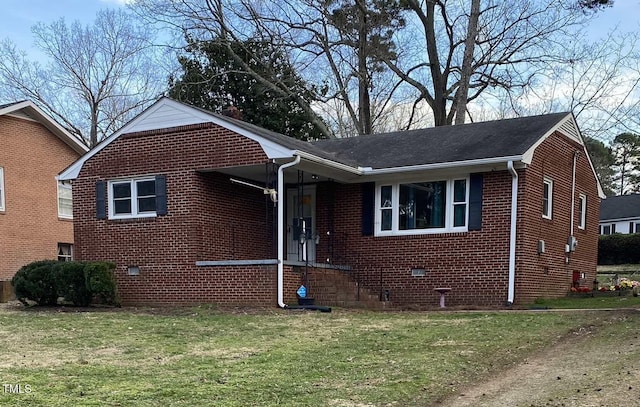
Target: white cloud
117,2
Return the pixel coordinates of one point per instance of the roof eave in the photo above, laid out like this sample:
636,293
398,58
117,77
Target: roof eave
48,122
443,165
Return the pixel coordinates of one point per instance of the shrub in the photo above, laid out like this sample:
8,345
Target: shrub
101,281
77,282
36,282
71,283
619,249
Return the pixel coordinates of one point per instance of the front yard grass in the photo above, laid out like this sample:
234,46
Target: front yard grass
599,301
204,357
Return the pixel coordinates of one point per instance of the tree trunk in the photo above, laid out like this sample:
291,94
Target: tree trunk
364,101
460,102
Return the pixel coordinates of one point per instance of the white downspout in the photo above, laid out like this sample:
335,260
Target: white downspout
512,236
573,191
281,199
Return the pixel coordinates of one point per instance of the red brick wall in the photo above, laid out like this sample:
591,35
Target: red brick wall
209,218
550,274
475,264
30,229
207,214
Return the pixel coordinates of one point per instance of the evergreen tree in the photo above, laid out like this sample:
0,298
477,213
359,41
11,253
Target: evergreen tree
213,78
603,161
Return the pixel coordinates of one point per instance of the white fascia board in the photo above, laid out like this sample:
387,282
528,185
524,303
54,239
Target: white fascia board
440,166
329,163
72,171
570,120
528,155
196,116
46,120
613,220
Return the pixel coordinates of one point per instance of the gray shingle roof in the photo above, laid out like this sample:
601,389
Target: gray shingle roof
620,207
482,140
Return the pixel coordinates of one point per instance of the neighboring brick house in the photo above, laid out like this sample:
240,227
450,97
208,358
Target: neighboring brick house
620,214
35,210
184,202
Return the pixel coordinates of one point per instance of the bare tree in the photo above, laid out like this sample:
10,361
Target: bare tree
96,78
390,56
337,45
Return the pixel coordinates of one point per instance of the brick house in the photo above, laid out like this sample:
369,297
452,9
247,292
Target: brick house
196,207
35,209
620,214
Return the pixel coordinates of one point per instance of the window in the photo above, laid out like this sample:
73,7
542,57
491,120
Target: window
608,229
65,252
547,198
132,198
422,207
1,189
582,211
637,227
65,200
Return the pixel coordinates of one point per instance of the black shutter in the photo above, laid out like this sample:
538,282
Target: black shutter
475,201
368,207
161,195
101,200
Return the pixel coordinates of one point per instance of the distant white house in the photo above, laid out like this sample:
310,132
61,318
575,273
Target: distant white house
620,214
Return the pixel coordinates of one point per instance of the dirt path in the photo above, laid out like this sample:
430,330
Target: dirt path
595,366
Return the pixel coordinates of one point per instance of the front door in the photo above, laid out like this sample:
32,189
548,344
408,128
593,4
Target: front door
301,224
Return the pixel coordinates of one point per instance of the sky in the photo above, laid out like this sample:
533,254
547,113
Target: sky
18,16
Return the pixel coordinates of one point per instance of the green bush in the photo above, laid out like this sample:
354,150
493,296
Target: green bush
71,283
101,282
79,283
36,282
619,249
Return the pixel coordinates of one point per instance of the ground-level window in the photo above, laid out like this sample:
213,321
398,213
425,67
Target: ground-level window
65,252
1,189
634,227
422,207
135,198
547,198
65,200
582,211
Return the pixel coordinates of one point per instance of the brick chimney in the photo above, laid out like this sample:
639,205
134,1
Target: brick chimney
233,112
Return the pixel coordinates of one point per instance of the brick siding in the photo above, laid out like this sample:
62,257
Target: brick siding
209,218
475,263
30,229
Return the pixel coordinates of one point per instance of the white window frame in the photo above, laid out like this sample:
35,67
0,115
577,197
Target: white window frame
134,199
549,207
395,198
62,185
582,205
2,204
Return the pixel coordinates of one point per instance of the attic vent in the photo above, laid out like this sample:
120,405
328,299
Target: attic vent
568,128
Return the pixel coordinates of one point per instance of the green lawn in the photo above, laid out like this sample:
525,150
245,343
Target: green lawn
597,302
204,357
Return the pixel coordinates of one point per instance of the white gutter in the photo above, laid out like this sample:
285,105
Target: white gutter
436,166
329,163
281,199
512,236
